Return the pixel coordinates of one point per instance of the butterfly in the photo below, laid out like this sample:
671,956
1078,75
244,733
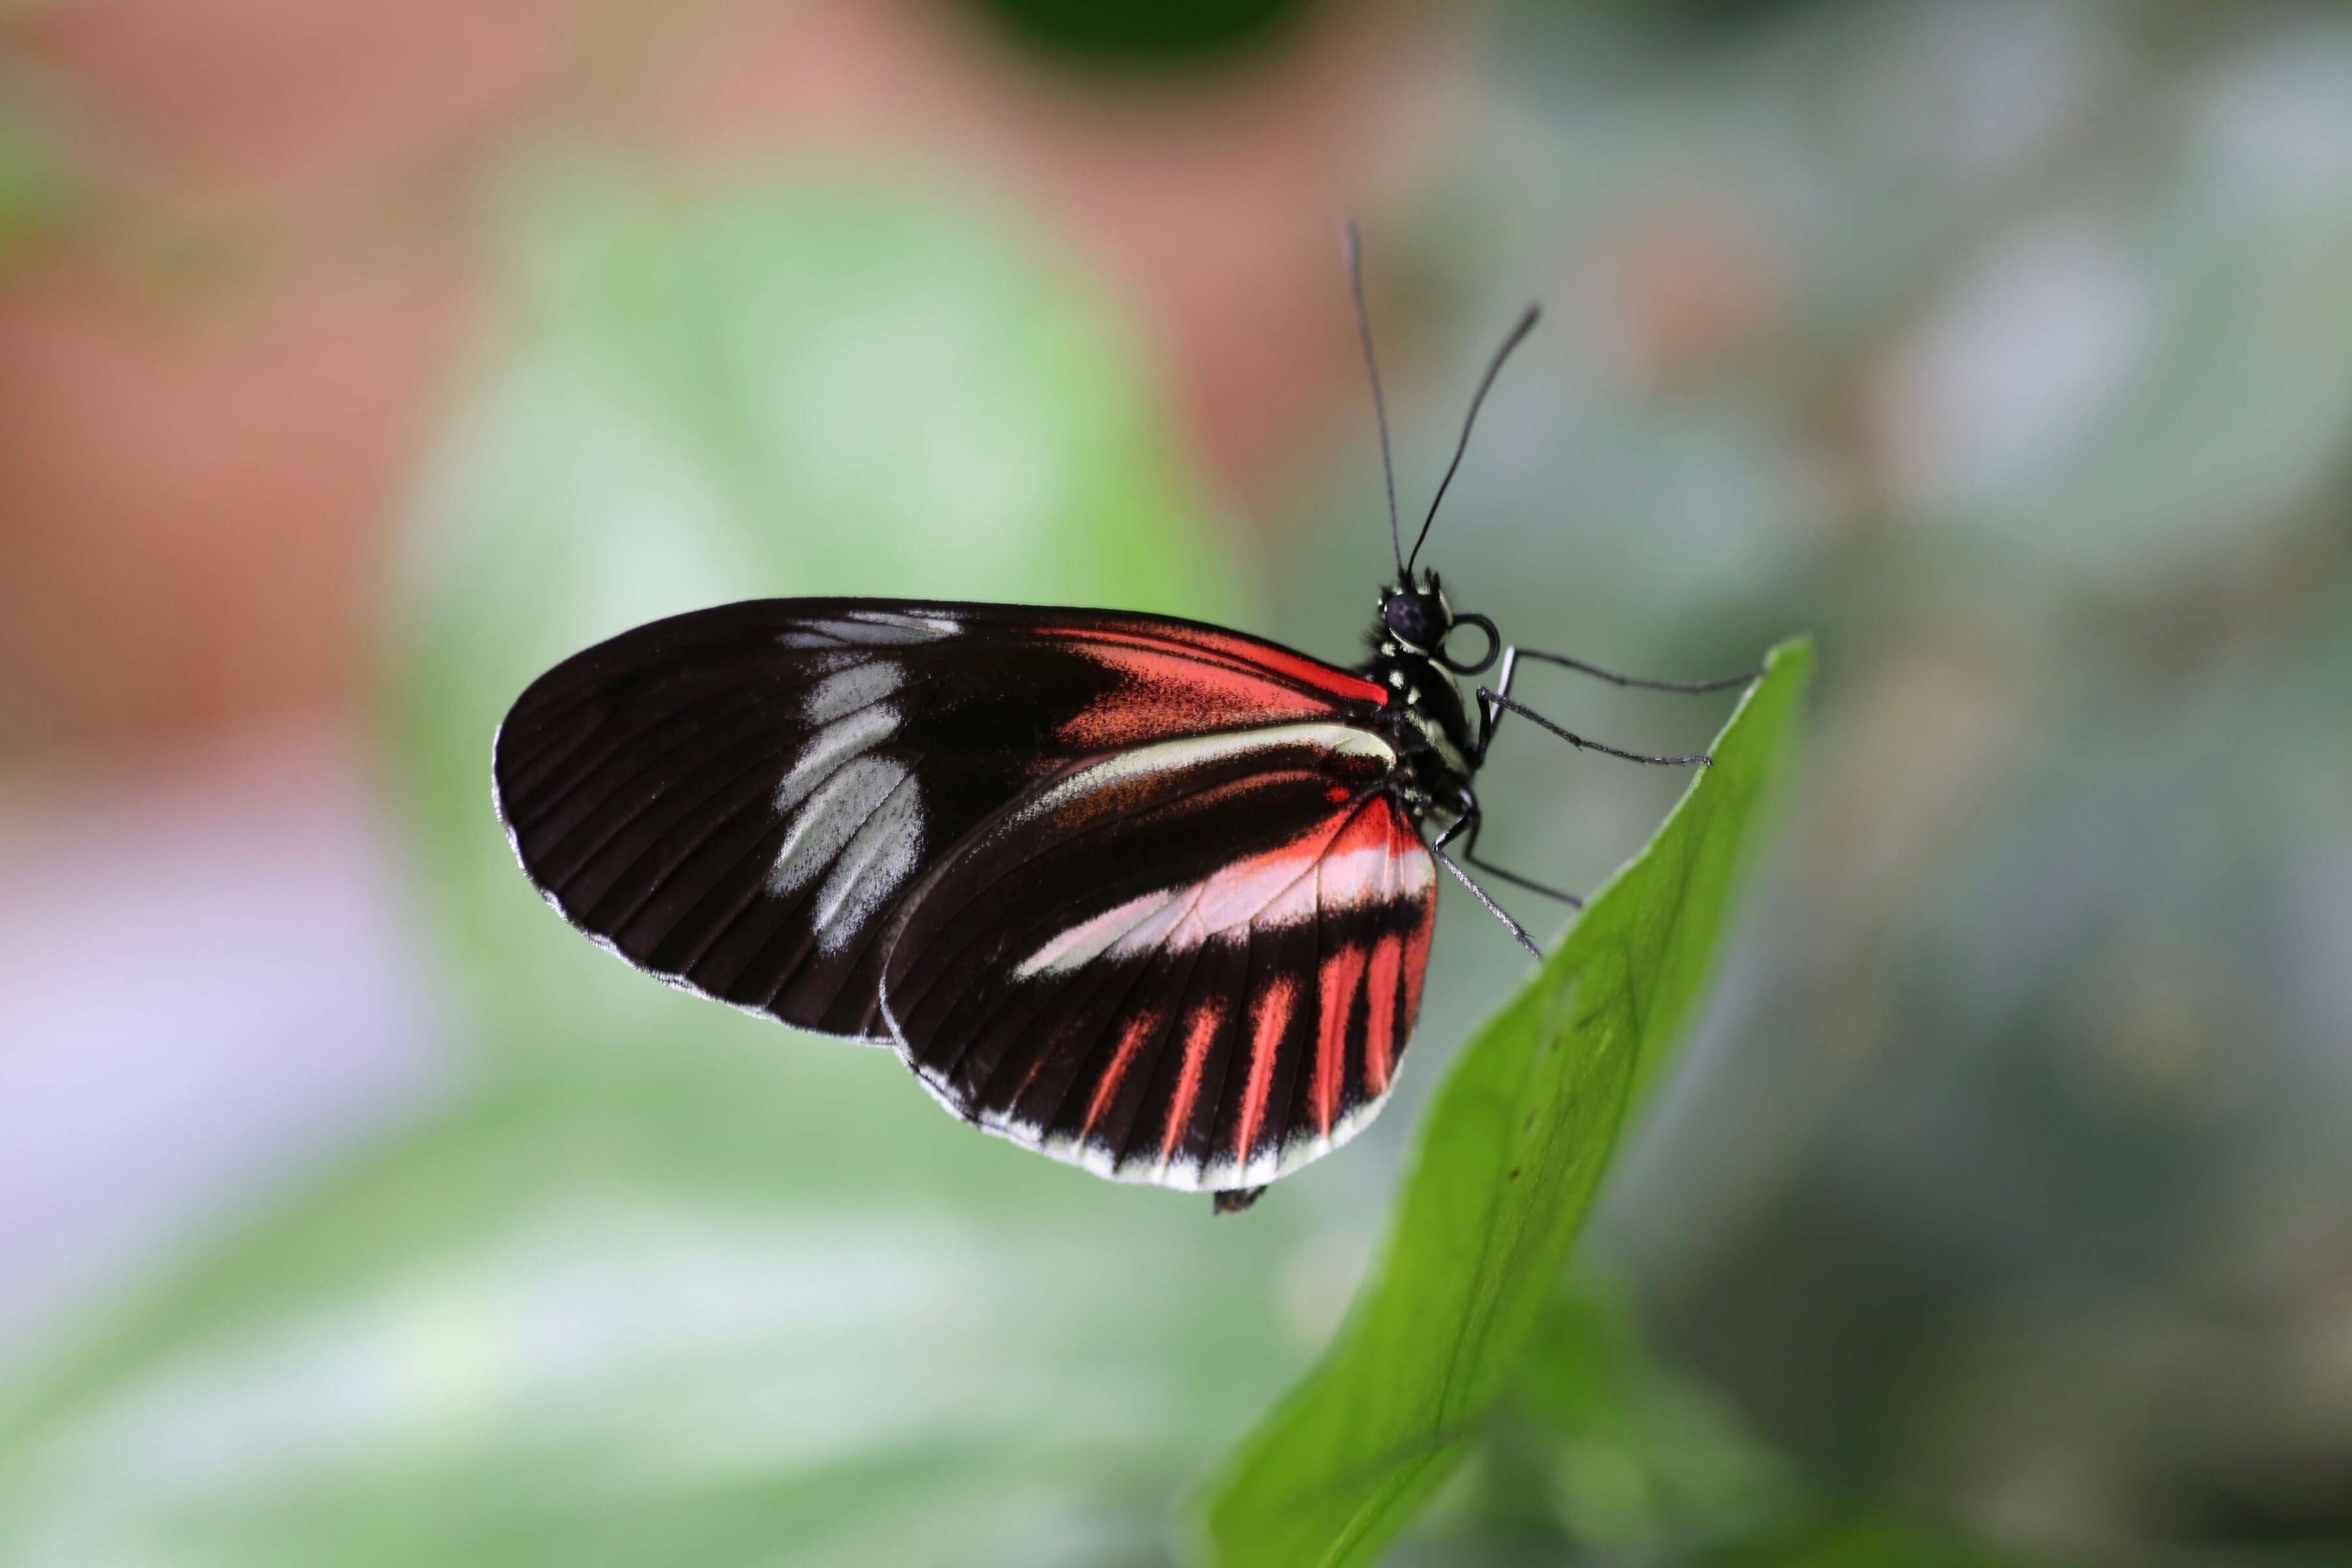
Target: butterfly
1149,896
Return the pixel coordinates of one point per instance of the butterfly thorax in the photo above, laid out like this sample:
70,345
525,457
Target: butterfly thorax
1425,721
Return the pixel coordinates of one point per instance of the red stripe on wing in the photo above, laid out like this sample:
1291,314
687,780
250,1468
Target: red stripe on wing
1130,1040
1416,966
1343,972
1182,680
1381,1013
1314,672
1163,692
1205,1022
1273,1020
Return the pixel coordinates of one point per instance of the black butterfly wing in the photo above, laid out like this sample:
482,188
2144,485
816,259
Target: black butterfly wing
1196,962
739,798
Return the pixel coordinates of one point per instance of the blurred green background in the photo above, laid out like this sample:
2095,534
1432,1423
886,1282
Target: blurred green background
357,362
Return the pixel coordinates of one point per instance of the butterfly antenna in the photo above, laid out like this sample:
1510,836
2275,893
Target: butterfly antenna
1526,323
1354,246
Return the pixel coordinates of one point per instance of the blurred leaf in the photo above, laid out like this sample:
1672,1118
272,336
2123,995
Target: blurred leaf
1868,1542
1638,1452
33,190
1513,1149
503,1344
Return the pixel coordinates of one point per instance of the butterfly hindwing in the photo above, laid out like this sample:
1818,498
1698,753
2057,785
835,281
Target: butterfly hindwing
1194,963
740,799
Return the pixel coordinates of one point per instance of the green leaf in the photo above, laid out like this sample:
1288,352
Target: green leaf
33,189
1514,1148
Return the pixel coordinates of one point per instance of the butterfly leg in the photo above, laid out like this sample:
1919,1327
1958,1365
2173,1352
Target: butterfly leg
1233,1200
1470,857
1437,847
1489,714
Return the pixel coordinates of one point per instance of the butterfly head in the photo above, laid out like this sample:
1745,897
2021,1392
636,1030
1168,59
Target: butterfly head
1419,618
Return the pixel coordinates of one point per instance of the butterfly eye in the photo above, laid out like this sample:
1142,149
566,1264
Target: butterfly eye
1417,620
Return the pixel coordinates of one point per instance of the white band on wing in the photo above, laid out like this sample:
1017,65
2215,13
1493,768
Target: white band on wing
1344,739
1291,885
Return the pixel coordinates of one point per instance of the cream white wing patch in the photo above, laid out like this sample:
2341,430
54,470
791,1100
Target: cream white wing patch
845,692
872,629
1285,886
857,816
1169,756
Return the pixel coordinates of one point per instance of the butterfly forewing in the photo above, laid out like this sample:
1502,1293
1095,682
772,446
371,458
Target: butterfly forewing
1194,963
742,799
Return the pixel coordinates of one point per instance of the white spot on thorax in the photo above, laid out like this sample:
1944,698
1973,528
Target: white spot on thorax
1440,741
